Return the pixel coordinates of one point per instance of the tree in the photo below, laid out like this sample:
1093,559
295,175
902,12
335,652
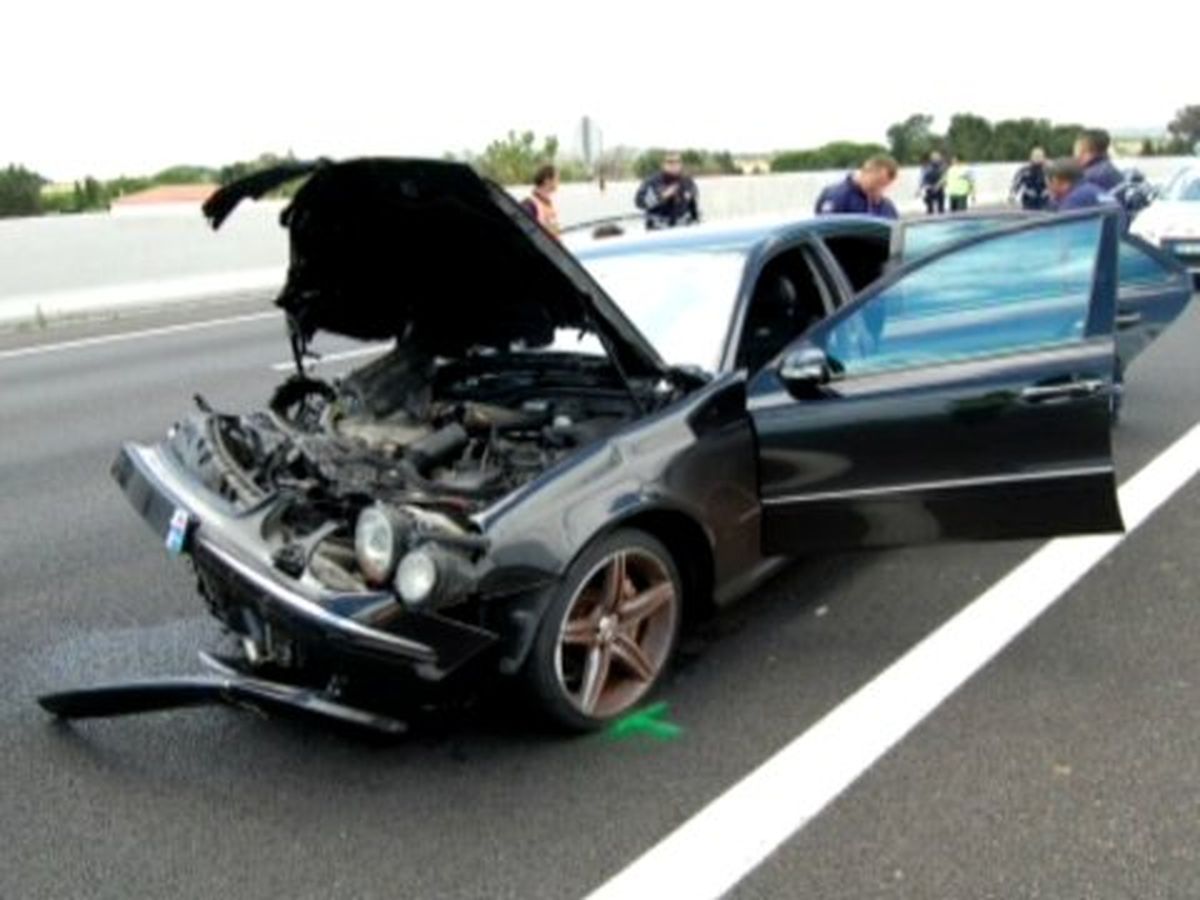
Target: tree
1185,128
185,175
515,158
1012,139
20,192
970,136
836,155
911,141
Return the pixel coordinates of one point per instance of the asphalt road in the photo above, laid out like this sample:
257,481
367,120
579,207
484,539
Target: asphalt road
1066,768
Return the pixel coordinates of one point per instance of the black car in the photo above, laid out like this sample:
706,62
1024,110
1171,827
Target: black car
523,486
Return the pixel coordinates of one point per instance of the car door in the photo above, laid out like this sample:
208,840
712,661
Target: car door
964,397
1152,287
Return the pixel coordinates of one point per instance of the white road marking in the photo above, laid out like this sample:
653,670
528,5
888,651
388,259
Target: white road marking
324,358
136,335
715,849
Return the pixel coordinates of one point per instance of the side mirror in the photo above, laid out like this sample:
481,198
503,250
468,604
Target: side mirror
804,370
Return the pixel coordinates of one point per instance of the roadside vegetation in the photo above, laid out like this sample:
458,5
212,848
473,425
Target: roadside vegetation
513,159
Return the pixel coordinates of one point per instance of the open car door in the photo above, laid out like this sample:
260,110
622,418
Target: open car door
963,397
1152,286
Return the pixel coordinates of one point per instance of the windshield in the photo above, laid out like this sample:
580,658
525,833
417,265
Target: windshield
682,301
1184,186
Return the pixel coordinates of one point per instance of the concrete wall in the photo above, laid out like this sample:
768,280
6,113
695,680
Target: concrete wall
65,265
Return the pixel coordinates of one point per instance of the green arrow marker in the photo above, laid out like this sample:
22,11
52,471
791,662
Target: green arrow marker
650,721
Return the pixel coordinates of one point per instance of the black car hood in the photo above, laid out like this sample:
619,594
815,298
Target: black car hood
384,248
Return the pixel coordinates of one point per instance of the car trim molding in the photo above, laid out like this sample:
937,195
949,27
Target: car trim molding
945,484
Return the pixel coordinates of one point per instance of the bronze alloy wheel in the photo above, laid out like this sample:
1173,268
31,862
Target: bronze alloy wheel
618,632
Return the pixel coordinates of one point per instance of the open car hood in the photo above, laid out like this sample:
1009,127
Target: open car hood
384,248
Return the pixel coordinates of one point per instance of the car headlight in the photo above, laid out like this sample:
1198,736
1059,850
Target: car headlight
377,544
417,576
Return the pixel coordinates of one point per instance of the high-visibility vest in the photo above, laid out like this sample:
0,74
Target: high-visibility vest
547,216
959,181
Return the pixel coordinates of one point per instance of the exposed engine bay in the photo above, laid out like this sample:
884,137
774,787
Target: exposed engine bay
435,440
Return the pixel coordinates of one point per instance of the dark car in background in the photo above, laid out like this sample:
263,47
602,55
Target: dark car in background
561,457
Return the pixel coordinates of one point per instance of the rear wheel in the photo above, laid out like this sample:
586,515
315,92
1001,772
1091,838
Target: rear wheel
607,638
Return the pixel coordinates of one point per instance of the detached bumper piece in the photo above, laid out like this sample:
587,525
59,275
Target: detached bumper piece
223,687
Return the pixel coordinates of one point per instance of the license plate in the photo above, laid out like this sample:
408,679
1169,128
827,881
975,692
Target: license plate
178,531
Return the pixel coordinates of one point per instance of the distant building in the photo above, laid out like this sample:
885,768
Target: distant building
163,199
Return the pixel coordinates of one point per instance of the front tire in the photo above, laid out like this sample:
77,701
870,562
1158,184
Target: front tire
609,634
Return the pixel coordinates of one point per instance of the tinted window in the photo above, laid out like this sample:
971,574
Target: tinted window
921,240
1013,292
1139,269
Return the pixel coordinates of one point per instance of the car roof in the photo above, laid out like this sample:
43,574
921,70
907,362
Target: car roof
744,235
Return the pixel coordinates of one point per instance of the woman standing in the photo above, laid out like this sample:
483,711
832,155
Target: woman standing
540,203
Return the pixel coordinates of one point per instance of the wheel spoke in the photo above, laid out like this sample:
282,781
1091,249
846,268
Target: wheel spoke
614,582
642,606
595,675
579,632
630,655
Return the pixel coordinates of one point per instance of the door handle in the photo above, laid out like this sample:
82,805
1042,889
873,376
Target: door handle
1129,319
1067,390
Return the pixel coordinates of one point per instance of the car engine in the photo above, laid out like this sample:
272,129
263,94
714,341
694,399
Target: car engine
436,439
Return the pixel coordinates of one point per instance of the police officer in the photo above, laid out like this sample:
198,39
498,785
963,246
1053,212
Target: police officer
933,184
669,197
1070,189
1029,184
1091,152
862,191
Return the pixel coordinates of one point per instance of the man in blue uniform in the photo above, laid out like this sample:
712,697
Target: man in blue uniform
669,197
1070,189
1029,184
862,191
1091,152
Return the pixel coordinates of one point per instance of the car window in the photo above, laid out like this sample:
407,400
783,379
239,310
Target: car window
1185,186
1012,292
682,301
1140,269
923,238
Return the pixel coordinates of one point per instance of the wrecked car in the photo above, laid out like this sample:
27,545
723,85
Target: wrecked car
559,458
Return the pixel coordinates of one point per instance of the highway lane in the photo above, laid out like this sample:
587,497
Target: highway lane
477,804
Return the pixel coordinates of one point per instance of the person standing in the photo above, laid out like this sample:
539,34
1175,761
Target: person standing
669,197
933,184
960,184
862,191
1091,152
540,202
1069,188
1029,184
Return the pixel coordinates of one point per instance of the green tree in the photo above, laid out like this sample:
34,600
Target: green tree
911,141
1185,128
185,175
515,158
20,192
1012,139
1062,139
970,136
835,155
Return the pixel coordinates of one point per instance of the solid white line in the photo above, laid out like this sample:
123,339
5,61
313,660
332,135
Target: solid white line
325,358
136,335
726,840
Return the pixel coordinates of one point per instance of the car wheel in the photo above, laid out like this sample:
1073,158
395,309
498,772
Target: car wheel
608,636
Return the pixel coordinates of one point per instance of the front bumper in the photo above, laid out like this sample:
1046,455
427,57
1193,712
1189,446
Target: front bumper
227,546
1186,250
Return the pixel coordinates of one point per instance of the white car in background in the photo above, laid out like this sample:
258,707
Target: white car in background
1173,220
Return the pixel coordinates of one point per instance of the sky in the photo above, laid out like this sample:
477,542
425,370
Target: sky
123,87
